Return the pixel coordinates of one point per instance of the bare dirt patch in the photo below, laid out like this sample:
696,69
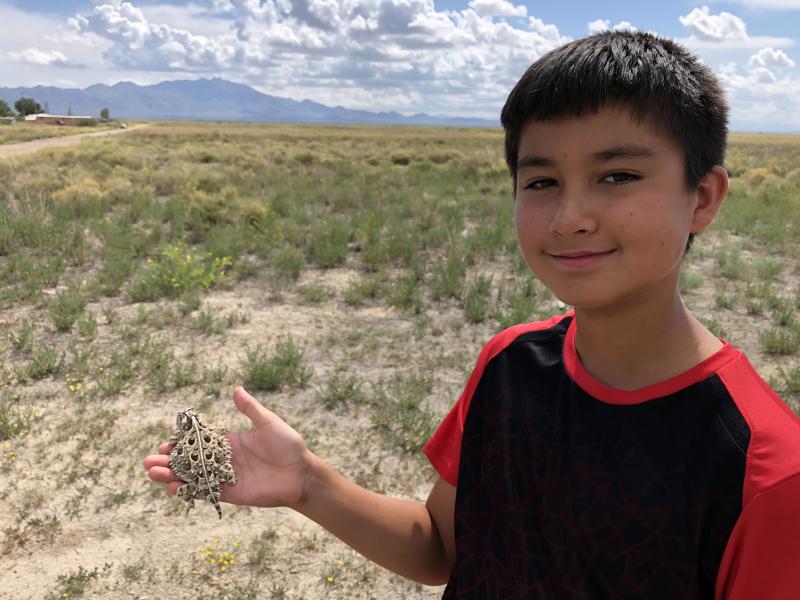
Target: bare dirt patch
12,150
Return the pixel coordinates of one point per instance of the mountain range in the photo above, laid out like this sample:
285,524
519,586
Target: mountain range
212,100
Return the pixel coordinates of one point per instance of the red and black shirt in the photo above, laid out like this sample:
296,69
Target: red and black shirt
567,488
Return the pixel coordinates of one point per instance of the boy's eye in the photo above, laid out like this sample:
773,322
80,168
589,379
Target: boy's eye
540,184
619,178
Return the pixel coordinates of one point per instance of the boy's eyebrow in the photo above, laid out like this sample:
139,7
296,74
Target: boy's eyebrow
624,151
533,161
621,151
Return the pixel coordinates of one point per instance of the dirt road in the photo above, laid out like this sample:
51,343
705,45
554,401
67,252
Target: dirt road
9,150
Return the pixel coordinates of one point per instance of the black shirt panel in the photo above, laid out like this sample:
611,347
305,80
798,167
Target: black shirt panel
561,495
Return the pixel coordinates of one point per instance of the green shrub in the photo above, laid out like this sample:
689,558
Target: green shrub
329,242
368,287
768,269
44,360
791,380
66,307
476,299
447,275
689,280
341,390
315,292
405,292
779,340
24,339
87,326
175,271
288,263
13,419
731,265
783,314
517,303
118,264
398,413
725,297
272,371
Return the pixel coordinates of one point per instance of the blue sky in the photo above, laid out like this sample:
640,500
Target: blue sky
455,57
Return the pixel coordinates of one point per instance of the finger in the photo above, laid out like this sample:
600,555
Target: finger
162,474
172,487
156,460
166,448
252,408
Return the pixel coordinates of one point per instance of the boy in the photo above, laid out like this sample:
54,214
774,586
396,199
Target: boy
620,450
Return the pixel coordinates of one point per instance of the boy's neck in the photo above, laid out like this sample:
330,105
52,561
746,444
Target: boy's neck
643,343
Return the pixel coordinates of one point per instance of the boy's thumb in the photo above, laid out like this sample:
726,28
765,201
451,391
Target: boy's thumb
252,408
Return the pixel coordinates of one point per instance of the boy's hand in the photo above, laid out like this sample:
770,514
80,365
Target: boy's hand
270,460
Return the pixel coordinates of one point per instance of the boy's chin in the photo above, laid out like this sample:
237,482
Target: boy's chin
584,302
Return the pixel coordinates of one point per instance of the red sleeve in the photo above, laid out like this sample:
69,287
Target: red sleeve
443,449
762,558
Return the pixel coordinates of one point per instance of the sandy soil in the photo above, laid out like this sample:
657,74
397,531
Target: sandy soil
151,530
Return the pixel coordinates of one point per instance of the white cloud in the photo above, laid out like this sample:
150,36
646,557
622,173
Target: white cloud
724,31
624,26
769,57
601,25
714,28
759,96
136,43
197,18
598,26
497,8
762,75
39,57
368,50
548,32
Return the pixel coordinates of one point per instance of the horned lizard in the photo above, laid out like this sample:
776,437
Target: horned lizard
201,459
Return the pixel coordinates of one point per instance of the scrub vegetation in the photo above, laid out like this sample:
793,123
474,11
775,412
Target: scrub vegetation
347,276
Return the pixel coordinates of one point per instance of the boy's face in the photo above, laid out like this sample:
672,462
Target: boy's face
603,212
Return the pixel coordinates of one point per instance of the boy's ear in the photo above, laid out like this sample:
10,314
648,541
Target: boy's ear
711,193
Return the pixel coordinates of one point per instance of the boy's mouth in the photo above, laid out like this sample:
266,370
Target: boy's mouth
580,258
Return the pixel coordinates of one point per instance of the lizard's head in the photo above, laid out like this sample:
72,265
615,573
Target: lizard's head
186,418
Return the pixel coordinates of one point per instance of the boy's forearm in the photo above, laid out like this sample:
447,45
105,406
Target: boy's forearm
399,535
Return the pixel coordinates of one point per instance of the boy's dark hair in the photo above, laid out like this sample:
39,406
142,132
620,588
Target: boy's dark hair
661,82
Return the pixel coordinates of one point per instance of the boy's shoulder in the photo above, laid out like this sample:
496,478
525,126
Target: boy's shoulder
508,336
773,451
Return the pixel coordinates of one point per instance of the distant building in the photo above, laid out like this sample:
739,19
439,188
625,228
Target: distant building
8,120
46,119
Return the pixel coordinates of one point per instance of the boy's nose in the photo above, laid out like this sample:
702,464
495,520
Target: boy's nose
574,214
